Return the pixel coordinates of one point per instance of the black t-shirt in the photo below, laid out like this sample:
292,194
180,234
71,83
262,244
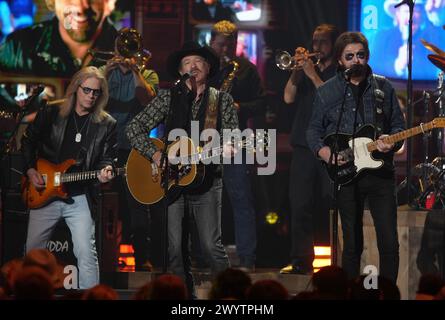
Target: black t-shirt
71,149
304,101
357,91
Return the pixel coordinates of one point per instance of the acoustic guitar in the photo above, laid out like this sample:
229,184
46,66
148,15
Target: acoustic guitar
146,180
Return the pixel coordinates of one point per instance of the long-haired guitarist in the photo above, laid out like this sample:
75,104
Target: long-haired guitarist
212,109
368,100
81,130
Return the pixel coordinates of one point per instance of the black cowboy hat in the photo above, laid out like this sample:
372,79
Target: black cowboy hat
192,48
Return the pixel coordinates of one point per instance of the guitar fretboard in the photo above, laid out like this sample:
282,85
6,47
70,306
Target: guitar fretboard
86,175
402,135
206,154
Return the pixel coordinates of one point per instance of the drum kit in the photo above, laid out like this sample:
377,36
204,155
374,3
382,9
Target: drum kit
428,178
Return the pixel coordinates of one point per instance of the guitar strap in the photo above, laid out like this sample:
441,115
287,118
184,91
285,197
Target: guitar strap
379,97
211,117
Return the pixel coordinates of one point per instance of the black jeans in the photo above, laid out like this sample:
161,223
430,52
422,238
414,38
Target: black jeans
381,195
310,199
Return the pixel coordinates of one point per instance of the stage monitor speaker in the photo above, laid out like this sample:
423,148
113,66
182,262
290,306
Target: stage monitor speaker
12,167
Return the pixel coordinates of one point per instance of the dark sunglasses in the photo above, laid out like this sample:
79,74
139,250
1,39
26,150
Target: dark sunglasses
359,55
96,92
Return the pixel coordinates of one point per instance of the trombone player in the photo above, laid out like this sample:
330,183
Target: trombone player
309,191
132,85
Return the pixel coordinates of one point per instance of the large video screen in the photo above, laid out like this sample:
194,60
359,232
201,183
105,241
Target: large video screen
19,14
232,10
387,29
246,45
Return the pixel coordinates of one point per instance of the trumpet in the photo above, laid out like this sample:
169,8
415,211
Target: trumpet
285,61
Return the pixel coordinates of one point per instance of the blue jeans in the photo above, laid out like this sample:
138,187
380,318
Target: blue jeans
78,219
239,190
206,210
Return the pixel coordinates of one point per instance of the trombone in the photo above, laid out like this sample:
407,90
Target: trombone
285,61
128,49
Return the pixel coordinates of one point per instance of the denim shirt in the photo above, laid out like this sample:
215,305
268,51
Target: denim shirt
328,102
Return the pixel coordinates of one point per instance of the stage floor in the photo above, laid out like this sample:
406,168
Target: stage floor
126,283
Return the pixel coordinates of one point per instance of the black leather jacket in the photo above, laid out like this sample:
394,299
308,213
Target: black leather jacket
43,139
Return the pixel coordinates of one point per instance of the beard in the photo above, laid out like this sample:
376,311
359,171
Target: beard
83,34
358,70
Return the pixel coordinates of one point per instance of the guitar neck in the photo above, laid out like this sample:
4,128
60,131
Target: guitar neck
197,157
206,154
399,136
86,175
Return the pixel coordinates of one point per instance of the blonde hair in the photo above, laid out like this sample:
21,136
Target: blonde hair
71,93
226,28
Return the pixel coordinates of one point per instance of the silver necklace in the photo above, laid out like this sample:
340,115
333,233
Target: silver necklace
78,137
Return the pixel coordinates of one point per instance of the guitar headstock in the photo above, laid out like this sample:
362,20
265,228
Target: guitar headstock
438,122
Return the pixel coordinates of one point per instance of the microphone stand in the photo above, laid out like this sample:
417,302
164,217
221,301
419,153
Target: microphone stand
175,92
409,90
30,105
426,135
440,133
165,174
334,156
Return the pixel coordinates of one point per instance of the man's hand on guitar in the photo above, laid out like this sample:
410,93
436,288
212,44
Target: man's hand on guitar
382,146
106,174
157,158
325,154
36,179
229,150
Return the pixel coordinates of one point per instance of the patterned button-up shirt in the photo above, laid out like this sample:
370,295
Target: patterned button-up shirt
156,112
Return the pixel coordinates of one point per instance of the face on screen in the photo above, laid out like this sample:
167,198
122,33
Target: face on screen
81,18
402,19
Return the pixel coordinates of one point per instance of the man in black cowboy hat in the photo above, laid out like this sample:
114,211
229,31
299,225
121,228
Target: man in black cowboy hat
190,100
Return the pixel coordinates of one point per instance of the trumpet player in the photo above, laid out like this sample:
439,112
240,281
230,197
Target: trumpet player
131,86
309,192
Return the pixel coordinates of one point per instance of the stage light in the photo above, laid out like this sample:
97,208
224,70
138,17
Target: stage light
126,259
126,248
322,257
272,217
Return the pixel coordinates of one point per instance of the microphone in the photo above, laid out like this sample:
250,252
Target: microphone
356,70
183,78
348,73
